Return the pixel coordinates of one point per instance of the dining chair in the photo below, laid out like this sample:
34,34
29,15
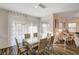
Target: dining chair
51,40
27,36
3,51
35,34
50,45
8,51
21,50
41,46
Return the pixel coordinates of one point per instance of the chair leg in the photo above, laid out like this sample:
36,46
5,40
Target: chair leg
5,51
10,50
1,51
18,52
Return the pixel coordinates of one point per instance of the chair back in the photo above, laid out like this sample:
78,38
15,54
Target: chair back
42,45
27,36
50,40
17,44
35,34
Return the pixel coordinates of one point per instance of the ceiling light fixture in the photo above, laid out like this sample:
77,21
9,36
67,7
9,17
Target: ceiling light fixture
40,5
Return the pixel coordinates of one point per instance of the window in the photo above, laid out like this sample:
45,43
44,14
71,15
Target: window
32,29
19,29
44,29
72,27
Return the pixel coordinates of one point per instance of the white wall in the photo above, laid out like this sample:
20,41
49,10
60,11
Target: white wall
3,28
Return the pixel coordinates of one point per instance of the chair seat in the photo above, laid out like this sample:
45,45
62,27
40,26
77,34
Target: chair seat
40,50
23,49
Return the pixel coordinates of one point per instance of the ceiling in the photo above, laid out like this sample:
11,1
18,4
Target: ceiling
29,8
69,14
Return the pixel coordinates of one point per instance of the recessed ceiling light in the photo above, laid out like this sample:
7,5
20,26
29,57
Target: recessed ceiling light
36,6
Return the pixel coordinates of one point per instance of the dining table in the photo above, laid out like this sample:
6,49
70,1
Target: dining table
32,42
